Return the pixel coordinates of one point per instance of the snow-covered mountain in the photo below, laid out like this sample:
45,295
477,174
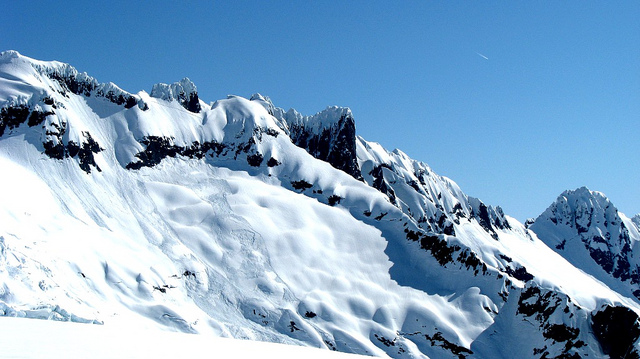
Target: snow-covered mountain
244,220
587,229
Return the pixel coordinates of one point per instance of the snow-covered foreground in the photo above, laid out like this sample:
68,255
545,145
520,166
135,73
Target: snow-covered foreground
33,339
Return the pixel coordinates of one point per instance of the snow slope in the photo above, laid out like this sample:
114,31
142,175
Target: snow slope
242,220
37,339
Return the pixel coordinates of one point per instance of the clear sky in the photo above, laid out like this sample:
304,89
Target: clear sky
515,101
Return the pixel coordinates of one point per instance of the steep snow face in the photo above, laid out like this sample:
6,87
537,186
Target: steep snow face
587,229
438,206
155,216
434,201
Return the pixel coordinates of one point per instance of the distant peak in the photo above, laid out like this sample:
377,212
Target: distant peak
9,54
582,191
185,85
581,209
585,195
328,117
265,101
184,91
259,97
335,111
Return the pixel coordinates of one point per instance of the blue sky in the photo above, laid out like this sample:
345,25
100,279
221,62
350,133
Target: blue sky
515,101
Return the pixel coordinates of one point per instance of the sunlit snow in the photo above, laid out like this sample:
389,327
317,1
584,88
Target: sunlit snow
219,246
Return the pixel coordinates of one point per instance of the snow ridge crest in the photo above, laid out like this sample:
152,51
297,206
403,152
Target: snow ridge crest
579,207
9,54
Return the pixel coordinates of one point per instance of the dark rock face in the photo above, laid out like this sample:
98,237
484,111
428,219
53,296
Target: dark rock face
159,148
334,199
12,117
560,332
437,339
255,160
309,315
84,152
272,162
519,273
72,83
614,261
381,184
538,306
445,252
119,99
301,185
191,102
386,342
489,218
439,248
335,144
482,215
534,303
82,84
184,91
617,330
36,118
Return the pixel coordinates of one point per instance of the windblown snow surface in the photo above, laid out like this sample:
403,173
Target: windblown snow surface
238,219
24,338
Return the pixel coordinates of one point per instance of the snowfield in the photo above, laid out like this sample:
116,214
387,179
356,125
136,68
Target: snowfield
156,213
39,339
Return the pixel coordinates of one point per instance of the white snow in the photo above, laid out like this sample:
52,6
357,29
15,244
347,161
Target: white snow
38,339
175,91
570,225
218,247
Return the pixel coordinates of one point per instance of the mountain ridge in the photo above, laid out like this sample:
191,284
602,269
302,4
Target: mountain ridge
396,260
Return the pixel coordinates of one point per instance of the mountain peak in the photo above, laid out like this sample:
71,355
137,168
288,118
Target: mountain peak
584,192
13,55
580,207
329,135
265,101
9,54
259,97
586,228
183,91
